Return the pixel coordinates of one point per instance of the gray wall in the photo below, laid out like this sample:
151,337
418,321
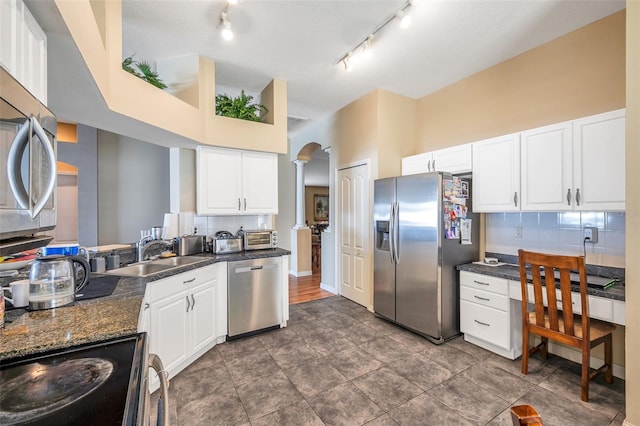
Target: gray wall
84,155
286,217
133,187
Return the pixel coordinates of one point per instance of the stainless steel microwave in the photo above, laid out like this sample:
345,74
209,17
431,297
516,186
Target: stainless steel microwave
260,239
28,173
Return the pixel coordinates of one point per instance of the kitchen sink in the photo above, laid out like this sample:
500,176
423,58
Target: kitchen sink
145,269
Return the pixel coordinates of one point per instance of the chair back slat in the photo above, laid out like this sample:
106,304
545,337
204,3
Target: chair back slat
552,302
567,303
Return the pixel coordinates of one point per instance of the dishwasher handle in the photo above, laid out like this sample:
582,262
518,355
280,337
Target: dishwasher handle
254,268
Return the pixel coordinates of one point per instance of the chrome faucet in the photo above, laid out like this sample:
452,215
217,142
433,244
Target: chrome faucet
146,243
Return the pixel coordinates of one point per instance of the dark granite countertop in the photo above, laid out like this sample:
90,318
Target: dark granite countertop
512,272
28,332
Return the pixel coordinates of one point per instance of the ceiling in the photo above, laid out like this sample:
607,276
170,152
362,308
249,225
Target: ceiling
300,41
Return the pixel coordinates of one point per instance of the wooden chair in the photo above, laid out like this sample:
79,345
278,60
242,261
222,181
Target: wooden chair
556,321
525,415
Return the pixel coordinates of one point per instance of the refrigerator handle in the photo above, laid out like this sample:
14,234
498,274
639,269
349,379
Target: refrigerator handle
392,211
396,235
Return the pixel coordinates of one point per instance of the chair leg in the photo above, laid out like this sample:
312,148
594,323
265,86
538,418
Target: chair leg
544,349
525,351
584,388
608,359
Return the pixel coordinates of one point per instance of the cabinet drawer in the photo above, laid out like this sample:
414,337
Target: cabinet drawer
484,298
184,281
484,282
485,323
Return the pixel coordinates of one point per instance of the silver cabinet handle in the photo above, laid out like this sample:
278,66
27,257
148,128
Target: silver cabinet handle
486,299
569,196
515,198
239,205
429,165
480,282
189,281
483,323
188,302
577,196
434,164
193,304
146,306
245,204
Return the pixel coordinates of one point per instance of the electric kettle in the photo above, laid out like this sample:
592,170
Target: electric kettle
53,281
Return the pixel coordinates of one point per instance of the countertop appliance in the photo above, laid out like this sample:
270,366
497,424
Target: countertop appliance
54,282
259,239
99,383
188,245
225,242
28,154
423,228
254,296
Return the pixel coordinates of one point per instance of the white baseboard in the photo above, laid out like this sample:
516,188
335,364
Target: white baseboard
326,287
300,274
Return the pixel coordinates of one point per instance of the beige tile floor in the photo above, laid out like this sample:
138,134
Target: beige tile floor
337,364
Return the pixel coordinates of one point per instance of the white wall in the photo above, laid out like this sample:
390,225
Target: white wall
133,187
559,233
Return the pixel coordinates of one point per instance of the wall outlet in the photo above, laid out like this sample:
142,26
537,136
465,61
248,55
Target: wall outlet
591,234
518,233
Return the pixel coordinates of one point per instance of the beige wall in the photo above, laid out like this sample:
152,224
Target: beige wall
397,126
309,208
579,74
633,214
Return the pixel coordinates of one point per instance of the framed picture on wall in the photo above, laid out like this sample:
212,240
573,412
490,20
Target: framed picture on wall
320,207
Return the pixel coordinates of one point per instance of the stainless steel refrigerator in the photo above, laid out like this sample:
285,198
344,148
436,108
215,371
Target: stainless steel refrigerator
423,227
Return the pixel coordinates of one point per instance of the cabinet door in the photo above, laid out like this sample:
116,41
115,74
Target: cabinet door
546,160
415,164
219,184
202,316
259,183
456,159
32,71
169,337
496,174
599,161
10,15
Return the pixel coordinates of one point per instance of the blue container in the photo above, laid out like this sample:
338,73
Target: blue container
63,249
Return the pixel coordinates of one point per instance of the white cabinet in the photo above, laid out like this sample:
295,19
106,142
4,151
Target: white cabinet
232,182
599,161
185,316
546,160
576,165
23,47
487,315
496,174
456,159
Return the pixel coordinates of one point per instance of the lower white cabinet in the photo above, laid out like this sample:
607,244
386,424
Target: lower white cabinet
185,312
488,318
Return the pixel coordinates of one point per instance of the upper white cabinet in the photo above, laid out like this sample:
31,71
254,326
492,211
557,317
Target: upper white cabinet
496,174
577,165
456,159
23,47
599,161
233,182
547,159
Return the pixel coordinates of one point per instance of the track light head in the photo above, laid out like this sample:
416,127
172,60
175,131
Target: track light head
405,20
348,62
227,34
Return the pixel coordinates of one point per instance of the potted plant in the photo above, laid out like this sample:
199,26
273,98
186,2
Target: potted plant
241,107
145,71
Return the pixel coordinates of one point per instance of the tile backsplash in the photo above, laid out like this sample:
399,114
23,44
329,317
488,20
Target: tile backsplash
558,233
209,225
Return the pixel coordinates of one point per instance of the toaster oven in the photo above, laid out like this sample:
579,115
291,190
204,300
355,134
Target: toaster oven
260,239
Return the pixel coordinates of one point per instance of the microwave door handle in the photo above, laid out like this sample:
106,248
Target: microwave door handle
14,172
51,156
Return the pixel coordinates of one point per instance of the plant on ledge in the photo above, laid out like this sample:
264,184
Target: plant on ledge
146,73
240,107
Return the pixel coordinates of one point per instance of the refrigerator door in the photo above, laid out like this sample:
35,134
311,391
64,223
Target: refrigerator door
384,300
418,264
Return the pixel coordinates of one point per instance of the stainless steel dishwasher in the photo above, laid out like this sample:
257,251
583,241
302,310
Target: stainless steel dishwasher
254,296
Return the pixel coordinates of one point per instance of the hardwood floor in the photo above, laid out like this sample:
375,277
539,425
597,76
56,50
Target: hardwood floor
305,289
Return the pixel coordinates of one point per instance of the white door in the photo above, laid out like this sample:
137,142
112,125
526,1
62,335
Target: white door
546,155
353,222
259,183
598,162
496,174
203,315
219,181
456,159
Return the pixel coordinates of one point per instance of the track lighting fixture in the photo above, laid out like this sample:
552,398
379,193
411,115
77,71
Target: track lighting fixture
363,49
227,34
